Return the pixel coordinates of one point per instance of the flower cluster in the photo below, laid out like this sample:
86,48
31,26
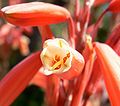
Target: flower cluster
70,71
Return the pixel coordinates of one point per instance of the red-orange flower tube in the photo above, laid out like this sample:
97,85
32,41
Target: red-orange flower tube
110,63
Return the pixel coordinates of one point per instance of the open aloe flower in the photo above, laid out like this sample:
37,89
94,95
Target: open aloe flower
58,57
71,71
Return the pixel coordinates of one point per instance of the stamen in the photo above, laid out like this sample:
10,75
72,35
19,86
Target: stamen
57,65
57,62
60,43
65,58
57,58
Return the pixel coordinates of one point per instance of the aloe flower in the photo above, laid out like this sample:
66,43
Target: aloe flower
70,71
58,58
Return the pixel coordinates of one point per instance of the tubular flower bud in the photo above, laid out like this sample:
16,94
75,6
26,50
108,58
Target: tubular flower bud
57,57
34,14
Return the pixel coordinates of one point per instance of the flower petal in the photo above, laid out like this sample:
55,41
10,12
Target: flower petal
110,63
76,68
18,78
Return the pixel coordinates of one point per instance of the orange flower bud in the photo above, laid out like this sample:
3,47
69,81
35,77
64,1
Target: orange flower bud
34,14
